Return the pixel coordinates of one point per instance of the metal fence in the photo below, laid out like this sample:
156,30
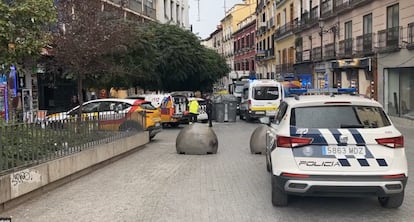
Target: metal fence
23,145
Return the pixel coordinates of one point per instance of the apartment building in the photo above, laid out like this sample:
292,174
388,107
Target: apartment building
173,11
137,10
245,47
393,24
286,13
214,41
229,23
265,47
364,44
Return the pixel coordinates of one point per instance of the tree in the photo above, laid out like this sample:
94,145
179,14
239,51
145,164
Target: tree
87,37
24,29
180,61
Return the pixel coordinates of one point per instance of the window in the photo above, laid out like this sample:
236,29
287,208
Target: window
245,93
91,107
265,93
281,113
339,117
348,30
147,106
367,24
393,16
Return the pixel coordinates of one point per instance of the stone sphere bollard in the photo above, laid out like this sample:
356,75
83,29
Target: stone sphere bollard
196,139
258,140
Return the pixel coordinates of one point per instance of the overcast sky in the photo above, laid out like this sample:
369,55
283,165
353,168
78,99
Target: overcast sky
211,12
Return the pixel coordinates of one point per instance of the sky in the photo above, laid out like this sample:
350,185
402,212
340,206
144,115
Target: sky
211,13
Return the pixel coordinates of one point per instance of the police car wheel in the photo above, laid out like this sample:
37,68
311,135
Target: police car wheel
393,201
279,197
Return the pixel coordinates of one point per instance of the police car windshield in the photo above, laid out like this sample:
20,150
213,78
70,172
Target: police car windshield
266,93
339,117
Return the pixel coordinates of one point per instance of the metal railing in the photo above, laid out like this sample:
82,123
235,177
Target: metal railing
27,144
390,39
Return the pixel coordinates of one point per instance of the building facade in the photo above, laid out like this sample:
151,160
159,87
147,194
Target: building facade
174,12
245,48
136,10
234,16
286,19
265,43
335,40
395,59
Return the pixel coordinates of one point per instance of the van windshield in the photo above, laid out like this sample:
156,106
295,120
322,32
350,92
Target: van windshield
239,89
265,92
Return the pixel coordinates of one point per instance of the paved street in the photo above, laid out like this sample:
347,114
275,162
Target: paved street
156,184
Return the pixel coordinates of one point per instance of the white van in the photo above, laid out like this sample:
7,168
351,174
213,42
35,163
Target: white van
261,97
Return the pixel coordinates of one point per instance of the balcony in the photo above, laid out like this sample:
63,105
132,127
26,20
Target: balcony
342,6
389,40
329,51
284,68
272,22
326,8
150,12
284,30
410,36
308,20
346,48
135,6
316,54
299,57
364,44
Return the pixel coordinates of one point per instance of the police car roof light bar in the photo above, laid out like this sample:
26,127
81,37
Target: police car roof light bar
295,91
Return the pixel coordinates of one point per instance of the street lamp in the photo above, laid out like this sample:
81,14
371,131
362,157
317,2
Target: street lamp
333,29
321,25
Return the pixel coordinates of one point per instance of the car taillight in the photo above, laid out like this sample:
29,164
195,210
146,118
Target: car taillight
393,142
292,142
295,175
394,176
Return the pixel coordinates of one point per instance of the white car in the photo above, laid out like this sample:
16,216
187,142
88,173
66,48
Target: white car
335,145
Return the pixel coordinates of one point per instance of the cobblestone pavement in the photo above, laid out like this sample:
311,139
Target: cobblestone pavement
156,184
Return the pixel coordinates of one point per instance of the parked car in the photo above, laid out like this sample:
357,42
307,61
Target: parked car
335,145
116,114
172,106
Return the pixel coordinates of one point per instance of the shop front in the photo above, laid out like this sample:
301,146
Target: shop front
398,92
355,73
303,73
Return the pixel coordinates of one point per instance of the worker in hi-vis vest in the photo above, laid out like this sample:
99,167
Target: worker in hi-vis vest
193,110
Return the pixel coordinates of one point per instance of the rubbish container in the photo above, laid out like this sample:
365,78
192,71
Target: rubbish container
230,102
225,108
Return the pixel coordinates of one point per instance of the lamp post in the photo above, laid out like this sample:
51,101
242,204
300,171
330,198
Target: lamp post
321,25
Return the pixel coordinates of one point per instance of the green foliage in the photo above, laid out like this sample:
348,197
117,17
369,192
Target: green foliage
24,29
166,57
103,51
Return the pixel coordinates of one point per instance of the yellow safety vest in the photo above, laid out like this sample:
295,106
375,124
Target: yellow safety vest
193,106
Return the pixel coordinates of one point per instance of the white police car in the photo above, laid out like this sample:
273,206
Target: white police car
335,145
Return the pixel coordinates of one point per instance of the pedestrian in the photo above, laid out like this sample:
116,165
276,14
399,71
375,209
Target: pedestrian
193,110
74,102
209,110
17,107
